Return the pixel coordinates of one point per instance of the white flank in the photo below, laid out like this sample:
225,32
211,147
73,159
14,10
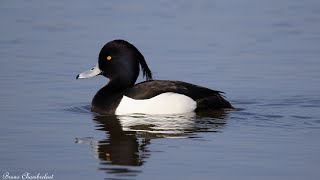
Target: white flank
166,103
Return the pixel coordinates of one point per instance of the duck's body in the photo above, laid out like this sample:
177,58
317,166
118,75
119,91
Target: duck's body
179,96
119,61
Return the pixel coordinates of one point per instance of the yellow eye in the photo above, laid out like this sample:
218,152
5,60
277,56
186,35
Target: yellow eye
109,58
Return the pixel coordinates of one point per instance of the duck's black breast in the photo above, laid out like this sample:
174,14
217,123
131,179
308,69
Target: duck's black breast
206,98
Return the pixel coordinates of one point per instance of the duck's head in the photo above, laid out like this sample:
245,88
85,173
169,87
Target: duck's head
119,61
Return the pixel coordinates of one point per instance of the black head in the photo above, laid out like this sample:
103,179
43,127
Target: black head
119,61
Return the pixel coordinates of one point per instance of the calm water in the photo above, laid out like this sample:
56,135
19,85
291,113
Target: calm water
264,54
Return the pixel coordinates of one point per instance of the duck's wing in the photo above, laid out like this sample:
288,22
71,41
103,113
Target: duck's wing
205,97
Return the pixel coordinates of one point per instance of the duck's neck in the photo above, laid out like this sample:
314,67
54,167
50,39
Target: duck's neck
119,84
109,92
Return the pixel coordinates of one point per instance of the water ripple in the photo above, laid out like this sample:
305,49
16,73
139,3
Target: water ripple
83,109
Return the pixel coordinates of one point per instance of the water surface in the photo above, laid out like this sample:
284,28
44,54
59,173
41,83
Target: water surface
263,54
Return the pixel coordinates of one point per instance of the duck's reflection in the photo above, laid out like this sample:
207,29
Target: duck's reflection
121,147
128,137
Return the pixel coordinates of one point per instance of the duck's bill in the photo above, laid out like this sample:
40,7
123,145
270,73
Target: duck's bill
94,71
